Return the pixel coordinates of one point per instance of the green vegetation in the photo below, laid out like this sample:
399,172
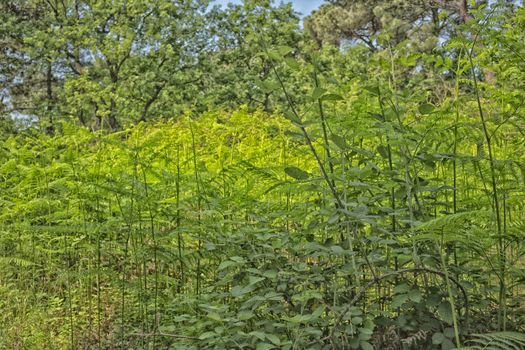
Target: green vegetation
176,176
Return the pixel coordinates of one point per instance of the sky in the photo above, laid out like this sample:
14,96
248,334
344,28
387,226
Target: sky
303,6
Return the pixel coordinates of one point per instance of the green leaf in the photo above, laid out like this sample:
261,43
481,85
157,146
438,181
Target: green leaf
296,173
339,141
332,97
374,90
225,264
292,63
273,338
284,50
259,335
401,288
354,343
239,291
299,318
426,108
398,300
438,338
357,320
275,55
449,332
293,118
383,151
337,249
318,312
266,85
414,295
207,335
214,316
265,346
270,274
447,345
245,315
366,345
317,93
445,312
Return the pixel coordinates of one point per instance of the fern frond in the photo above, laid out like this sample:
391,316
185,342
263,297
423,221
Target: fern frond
452,220
497,341
9,260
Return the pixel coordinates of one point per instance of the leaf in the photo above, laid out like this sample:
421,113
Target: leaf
383,151
318,312
265,346
414,295
438,338
225,264
339,141
378,116
259,335
499,340
292,63
354,343
332,97
357,320
254,280
275,55
284,50
273,338
296,173
366,345
293,118
426,108
299,318
445,312
337,249
449,332
270,274
374,90
239,291
401,288
398,300
245,315
214,316
207,335
317,93
266,85
447,344
365,333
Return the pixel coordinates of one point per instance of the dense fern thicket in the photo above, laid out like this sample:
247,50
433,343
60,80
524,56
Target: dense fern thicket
375,200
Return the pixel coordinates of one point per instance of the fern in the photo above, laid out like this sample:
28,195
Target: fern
9,260
497,341
453,221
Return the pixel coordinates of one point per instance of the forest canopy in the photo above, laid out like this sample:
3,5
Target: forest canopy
178,174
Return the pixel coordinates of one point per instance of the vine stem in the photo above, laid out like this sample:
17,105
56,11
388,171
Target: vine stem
495,197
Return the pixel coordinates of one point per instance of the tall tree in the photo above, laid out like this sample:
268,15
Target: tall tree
422,22
239,73
108,62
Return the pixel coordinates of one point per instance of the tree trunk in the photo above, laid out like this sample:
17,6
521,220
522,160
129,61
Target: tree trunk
463,10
